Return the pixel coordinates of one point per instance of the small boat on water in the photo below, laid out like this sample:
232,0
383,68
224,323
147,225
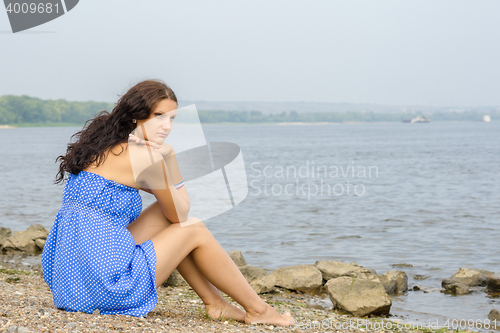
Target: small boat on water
419,119
486,119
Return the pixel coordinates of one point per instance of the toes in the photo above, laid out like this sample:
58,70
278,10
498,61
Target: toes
289,315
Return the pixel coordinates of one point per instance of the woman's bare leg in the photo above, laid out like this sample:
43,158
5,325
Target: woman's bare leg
175,242
150,222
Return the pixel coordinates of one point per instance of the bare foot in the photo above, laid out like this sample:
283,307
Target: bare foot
270,316
225,310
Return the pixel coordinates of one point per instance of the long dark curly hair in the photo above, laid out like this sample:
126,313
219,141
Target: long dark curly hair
106,129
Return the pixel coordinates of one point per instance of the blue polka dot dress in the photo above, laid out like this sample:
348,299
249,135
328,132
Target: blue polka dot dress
90,260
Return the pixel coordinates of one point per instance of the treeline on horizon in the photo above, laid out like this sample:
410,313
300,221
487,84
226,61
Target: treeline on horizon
29,110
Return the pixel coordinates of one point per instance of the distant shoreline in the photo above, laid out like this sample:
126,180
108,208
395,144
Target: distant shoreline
249,123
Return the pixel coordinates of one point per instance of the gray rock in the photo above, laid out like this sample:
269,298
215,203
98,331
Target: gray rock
5,232
263,284
424,289
456,289
71,325
305,278
19,329
469,277
40,243
367,276
36,231
358,296
493,282
24,240
494,315
17,242
237,257
394,282
175,280
251,272
335,269
258,278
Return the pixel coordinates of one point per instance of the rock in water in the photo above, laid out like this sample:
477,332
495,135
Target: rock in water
251,272
494,315
305,278
456,289
237,257
5,232
17,242
36,231
264,284
394,282
335,269
259,279
469,277
493,282
358,296
24,240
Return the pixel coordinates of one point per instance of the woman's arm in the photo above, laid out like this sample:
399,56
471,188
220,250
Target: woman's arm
160,178
173,167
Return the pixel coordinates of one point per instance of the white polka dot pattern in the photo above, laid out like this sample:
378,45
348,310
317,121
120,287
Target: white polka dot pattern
90,260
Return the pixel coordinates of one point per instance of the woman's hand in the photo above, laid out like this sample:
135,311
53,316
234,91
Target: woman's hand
164,149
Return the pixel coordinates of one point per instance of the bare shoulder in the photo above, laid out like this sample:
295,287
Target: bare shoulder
143,157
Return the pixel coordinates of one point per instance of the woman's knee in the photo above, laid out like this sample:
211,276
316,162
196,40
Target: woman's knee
193,222
197,227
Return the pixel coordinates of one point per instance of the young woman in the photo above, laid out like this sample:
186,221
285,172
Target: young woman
103,253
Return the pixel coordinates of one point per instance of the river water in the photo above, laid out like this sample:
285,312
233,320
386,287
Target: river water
422,198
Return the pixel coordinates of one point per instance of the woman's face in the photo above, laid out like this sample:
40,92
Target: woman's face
159,124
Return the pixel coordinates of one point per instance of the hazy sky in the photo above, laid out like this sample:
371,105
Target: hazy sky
439,53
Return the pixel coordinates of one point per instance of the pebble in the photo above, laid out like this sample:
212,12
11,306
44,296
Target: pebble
71,325
19,329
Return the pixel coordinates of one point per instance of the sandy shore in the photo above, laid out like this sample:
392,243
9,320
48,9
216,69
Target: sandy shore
26,303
